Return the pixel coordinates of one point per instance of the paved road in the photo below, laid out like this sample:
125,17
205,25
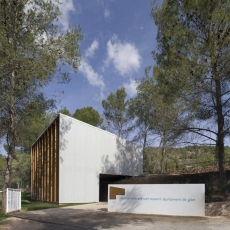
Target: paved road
95,216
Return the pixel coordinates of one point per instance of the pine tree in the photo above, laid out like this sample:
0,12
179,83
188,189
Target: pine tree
32,51
193,63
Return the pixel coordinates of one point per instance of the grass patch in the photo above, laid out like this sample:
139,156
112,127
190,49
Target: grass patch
30,205
3,216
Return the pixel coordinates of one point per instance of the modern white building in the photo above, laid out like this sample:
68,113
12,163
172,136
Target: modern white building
70,157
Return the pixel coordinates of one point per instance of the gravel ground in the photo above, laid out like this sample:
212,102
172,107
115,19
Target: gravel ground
95,216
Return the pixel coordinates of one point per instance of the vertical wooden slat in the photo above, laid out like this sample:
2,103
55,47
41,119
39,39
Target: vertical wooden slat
44,167
40,167
32,171
34,168
48,166
51,165
34,186
39,174
54,163
43,160
36,171
57,157
33,174
42,172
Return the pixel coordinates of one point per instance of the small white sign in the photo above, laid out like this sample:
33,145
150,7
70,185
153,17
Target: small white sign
162,199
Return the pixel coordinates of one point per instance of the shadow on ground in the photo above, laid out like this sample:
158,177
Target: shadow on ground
81,218
97,217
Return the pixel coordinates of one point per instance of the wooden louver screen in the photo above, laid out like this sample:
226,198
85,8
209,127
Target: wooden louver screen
45,165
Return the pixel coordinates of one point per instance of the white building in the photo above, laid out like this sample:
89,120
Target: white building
70,157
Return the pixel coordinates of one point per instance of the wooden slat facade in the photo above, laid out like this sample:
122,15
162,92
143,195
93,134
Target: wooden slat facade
45,165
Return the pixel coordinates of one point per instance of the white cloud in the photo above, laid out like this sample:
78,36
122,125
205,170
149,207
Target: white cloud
93,78
65,7
106,13
131,87
91,50
124,56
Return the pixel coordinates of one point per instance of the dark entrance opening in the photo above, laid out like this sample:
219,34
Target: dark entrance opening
104,180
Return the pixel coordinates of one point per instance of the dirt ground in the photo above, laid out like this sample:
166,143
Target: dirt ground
218,209
95,216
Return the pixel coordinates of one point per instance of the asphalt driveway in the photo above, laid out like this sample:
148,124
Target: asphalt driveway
95,216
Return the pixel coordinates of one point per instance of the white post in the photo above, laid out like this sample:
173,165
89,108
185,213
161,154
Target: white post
7,200
19,200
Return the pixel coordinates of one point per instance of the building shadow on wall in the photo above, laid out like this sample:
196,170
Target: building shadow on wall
131,200
64,128
128,159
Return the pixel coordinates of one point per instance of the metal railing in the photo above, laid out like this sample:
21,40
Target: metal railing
13,202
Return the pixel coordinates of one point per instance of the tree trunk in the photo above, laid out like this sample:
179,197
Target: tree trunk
11,143
163,154
163,160
143,151
7,177
120,130
220,133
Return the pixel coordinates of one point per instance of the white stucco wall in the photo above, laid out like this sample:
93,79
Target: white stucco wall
86,151
160,199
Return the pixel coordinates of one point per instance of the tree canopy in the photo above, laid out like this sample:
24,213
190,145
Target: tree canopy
32,52
65,111
193,64
116,113
88,115
156,117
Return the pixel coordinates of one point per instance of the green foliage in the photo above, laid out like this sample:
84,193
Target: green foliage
20,177
156,115
32,52
193,65
34,123
179,158
65,111
164,115
116,113
3,216
31,128
2,169
142,109
152,158
2,162
88,115
34,126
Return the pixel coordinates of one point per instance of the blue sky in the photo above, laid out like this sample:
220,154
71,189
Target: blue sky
118,39
119,36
